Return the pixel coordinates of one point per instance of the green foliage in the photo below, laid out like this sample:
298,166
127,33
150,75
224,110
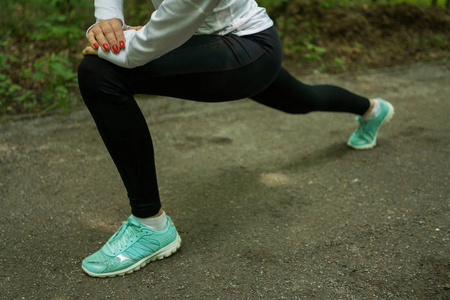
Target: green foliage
137,12
339,64
5,59
329,3
300,29
437,40
41,41
39,46
55,70
11,93
44,19
314,52
271,3
300,44
7,88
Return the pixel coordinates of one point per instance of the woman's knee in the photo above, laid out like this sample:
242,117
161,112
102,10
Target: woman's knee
89,72
98,80
89,69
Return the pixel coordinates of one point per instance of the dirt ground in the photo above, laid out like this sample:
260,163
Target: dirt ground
269,205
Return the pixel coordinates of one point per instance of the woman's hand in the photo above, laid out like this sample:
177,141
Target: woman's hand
108,34
92,50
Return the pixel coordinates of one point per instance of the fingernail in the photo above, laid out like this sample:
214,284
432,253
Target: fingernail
105,47
95,45
122,44
115,48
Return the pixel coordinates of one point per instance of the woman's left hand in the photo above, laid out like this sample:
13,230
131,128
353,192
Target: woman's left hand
89,50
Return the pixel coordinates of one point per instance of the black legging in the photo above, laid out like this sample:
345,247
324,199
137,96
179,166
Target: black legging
207,68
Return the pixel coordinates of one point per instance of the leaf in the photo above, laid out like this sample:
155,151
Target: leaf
13,88
39,75
61,89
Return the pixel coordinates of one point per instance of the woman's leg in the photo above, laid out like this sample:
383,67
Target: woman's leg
292,96
206,68
288,94
124,131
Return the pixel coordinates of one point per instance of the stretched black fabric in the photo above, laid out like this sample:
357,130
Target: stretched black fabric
207,68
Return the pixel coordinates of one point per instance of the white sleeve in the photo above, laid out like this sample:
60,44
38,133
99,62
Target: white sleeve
108,9
172,24
105,10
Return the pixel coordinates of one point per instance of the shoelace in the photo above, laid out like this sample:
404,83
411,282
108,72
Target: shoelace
361,130
124,235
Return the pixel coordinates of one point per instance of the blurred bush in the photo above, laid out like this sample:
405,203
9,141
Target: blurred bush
41,42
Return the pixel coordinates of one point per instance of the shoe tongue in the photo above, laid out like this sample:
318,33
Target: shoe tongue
133,221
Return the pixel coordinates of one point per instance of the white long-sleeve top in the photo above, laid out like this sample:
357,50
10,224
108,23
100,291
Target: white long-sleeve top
175,21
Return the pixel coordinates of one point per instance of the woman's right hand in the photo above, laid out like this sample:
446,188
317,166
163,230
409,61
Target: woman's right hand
107,34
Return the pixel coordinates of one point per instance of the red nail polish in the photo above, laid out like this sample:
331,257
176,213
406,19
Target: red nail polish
115,48
122,44
95,45
105,47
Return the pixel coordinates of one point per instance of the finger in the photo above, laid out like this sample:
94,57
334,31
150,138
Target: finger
91,39
89,50
117,27
112,29
96,36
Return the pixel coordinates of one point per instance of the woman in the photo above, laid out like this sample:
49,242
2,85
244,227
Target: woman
202,50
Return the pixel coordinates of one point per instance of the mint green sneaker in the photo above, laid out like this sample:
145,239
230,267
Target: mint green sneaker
132,247
365,136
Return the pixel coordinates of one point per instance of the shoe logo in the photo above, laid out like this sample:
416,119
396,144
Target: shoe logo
123,258
98,267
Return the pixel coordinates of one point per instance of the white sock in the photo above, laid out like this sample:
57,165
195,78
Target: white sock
158,223
374,112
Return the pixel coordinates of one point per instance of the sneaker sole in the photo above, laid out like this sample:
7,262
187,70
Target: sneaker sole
158,255
386,120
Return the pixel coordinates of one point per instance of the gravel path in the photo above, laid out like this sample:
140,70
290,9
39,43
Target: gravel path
268,205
